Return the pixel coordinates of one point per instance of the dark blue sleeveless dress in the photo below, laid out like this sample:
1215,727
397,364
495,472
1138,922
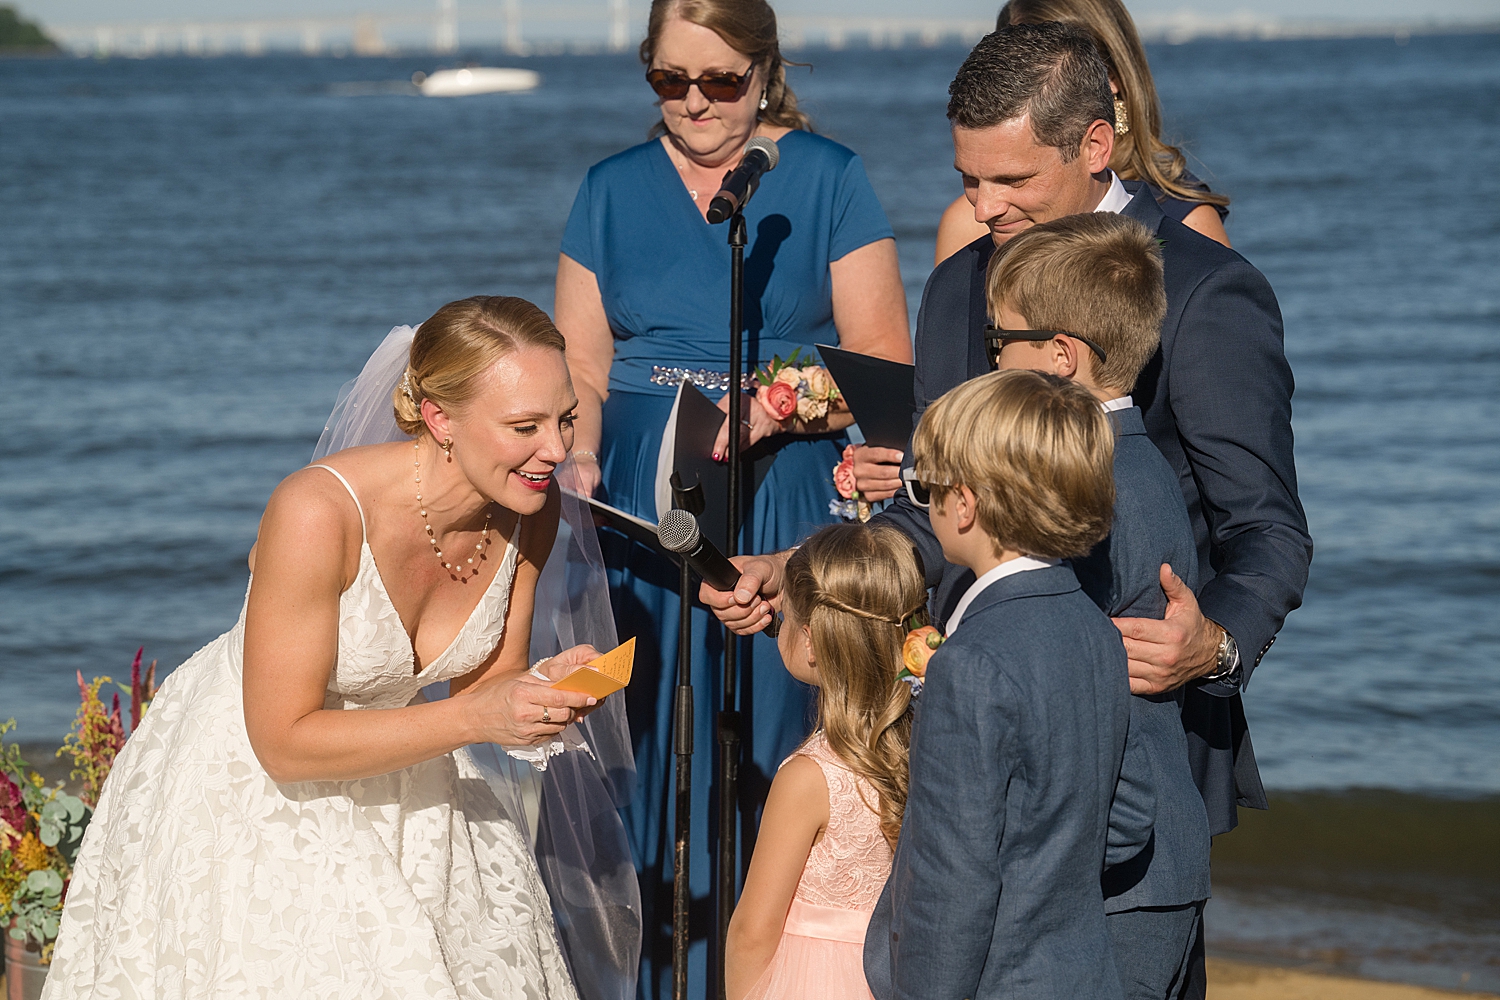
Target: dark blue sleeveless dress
663,275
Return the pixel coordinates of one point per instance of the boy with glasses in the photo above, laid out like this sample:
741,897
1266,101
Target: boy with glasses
1082,297
1019,741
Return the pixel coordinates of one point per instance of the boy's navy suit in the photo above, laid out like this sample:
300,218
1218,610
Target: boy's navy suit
1152,899
1015,755
1217,402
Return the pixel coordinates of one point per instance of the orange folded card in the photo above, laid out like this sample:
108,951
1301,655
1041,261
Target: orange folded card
604,675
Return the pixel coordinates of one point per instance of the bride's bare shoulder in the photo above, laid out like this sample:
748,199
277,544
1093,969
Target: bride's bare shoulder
312,513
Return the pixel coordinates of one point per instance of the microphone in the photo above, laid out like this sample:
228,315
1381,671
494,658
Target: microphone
761,155
679,533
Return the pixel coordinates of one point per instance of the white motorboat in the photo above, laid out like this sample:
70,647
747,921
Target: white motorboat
475,80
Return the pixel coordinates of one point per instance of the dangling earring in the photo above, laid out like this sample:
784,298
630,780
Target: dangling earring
1122,117
763,101
447,447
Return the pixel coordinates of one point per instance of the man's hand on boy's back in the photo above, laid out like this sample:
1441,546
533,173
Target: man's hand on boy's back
877,472
1165,654
747,609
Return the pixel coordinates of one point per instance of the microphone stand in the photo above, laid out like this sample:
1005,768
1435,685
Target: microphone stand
728,728
691,500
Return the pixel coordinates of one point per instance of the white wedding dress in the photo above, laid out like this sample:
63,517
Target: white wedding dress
201,877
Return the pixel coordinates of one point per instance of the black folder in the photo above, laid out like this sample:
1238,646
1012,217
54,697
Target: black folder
879,393
698,423
637,529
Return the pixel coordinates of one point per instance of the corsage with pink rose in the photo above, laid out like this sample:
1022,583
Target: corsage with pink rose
788,389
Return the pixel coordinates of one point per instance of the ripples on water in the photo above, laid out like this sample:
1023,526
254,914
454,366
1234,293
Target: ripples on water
196,253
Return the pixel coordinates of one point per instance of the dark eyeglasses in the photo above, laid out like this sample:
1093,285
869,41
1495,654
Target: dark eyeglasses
994,340
673,86
919,491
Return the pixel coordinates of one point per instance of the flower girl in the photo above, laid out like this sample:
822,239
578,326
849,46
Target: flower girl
834,811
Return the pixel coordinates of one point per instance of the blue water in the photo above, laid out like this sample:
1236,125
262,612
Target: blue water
194,254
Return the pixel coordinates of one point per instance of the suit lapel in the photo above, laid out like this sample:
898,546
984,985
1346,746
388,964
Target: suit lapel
978,360
1143,207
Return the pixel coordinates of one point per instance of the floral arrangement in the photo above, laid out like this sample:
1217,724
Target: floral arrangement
787,389
41,827
921,642
851,507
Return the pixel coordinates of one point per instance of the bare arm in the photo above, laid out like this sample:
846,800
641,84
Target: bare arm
1205,219
306,555
580,318
795,817
956,230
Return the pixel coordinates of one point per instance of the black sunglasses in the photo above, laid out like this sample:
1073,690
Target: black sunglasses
994,340
673,86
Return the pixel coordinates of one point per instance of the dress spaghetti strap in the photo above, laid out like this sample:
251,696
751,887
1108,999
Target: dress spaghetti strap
364,533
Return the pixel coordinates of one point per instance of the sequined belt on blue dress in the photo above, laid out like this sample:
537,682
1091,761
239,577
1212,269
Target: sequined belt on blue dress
704,378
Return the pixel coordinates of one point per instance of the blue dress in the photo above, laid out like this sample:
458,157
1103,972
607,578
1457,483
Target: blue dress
663,274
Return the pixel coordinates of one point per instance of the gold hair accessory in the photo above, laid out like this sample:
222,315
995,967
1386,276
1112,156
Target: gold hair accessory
1122,117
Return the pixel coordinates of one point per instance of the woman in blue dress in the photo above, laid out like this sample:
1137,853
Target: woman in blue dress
642,297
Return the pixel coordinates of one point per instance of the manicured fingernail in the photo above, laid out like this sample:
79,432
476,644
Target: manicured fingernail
716,456
593,701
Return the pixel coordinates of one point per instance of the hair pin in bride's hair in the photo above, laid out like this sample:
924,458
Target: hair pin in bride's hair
406,385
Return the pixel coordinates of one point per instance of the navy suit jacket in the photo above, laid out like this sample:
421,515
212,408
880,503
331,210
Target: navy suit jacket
1217,401
1122,577
1015,753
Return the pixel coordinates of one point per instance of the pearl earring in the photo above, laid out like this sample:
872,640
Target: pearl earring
763,101
447,447
1122,117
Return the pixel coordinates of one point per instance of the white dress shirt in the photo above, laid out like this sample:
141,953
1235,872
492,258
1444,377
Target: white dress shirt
1116,198
1008,568
1118,403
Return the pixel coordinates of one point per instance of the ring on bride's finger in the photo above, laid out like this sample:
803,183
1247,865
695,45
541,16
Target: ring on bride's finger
546,716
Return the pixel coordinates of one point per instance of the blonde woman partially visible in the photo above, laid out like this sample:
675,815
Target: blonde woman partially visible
292,817
1139,153
835,808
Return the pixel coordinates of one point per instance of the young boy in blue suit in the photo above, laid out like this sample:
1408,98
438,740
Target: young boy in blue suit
1082,297
1018,742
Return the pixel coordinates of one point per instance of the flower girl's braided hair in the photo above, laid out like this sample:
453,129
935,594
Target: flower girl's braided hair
459,343
856,588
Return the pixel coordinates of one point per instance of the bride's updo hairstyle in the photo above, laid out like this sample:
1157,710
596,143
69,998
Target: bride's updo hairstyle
856,588
458,344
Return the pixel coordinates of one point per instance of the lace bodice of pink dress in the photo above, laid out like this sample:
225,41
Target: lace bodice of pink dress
821,953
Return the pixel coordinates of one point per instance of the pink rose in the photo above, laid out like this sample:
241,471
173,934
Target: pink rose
779,399
843,475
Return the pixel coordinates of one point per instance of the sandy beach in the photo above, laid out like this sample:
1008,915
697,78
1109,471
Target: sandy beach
1241,981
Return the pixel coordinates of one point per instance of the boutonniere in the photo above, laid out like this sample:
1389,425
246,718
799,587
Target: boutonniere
921,642
852,507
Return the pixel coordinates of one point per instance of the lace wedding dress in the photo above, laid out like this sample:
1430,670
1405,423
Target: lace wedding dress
201,877
821,953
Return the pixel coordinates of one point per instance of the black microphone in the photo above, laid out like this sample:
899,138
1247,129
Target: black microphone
761,155
679,532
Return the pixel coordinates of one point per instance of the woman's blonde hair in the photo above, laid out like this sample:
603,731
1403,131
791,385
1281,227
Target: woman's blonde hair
856,588
1140,154
1038,453
459,343
748,27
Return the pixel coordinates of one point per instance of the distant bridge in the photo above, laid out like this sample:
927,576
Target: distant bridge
372,33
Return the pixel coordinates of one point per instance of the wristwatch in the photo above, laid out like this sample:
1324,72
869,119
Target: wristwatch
1229,658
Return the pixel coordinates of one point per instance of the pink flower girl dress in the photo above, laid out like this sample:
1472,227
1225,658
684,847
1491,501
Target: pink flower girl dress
821,953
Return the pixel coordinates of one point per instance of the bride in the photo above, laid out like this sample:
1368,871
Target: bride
293,817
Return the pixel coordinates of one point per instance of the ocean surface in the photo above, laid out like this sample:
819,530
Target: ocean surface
196,253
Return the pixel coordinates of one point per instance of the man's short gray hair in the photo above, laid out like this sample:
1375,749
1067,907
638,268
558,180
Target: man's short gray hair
1050,71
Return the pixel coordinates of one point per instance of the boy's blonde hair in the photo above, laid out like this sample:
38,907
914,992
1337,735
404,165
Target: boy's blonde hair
857,588
1098,276
1038,452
